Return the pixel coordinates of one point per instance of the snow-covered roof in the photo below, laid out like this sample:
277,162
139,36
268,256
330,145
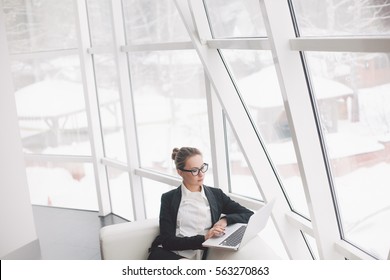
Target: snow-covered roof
55,98
261,89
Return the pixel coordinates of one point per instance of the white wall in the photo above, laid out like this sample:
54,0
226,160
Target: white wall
18,238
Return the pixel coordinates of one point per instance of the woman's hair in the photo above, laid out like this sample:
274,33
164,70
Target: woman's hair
181,155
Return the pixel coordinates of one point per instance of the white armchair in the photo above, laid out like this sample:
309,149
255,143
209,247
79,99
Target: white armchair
131,241
128,241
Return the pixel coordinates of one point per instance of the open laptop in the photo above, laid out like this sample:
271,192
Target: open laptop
239,234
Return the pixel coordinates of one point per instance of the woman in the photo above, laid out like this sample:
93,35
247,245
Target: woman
191,213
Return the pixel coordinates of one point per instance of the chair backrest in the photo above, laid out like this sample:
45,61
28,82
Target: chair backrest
128,241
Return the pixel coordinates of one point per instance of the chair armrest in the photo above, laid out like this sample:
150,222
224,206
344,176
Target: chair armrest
128,241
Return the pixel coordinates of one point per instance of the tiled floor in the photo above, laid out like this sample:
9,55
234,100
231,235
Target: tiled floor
66,234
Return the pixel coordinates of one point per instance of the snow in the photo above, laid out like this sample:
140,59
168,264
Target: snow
374,108
65,98
364,202
55,186
261,89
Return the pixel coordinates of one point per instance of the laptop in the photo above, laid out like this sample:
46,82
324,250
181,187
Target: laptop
239,234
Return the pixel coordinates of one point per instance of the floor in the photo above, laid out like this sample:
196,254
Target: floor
67,234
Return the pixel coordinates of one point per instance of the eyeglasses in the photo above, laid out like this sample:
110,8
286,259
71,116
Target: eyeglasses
195,171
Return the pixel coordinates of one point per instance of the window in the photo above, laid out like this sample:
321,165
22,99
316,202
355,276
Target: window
353,97
235,18
62,184
342,18
241,178
120,193
152,195
50,104
153,21
170,106
109,107
258,85
32,26
100,22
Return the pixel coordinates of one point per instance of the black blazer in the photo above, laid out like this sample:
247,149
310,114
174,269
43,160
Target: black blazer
219,202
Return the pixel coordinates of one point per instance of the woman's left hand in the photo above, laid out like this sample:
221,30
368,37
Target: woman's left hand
221,223
218,229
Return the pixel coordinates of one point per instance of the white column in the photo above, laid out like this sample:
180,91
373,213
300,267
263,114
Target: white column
18,237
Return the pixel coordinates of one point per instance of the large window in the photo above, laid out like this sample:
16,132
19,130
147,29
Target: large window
47,78
258,85
342,18
170,106
140,66
353,95
255,77
49,94
106,77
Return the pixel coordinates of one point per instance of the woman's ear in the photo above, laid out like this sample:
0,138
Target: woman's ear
179,172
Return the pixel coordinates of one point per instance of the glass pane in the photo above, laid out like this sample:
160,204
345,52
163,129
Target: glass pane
152,195
120,193
258,85
150,21
170,106
59,184
40,25
353,95
50,105
312,246
241,178
349,17
271,237
110,108
235,18
100,22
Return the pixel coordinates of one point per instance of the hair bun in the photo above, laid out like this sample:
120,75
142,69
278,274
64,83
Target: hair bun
174,153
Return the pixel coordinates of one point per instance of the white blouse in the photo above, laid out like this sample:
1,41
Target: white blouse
193,218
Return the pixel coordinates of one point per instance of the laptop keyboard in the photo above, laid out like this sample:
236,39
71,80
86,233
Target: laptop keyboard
235,238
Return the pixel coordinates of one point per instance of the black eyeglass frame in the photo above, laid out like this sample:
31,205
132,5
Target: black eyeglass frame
195,171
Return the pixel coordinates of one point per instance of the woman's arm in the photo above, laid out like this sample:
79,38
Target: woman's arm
234,212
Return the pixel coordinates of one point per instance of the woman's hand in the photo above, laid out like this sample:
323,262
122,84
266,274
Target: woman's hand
222,222
218,229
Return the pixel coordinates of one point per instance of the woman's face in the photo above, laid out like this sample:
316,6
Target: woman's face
190,180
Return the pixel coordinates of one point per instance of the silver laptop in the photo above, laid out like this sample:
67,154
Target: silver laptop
239,234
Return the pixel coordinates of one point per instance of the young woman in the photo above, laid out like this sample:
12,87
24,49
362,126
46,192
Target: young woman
193,212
